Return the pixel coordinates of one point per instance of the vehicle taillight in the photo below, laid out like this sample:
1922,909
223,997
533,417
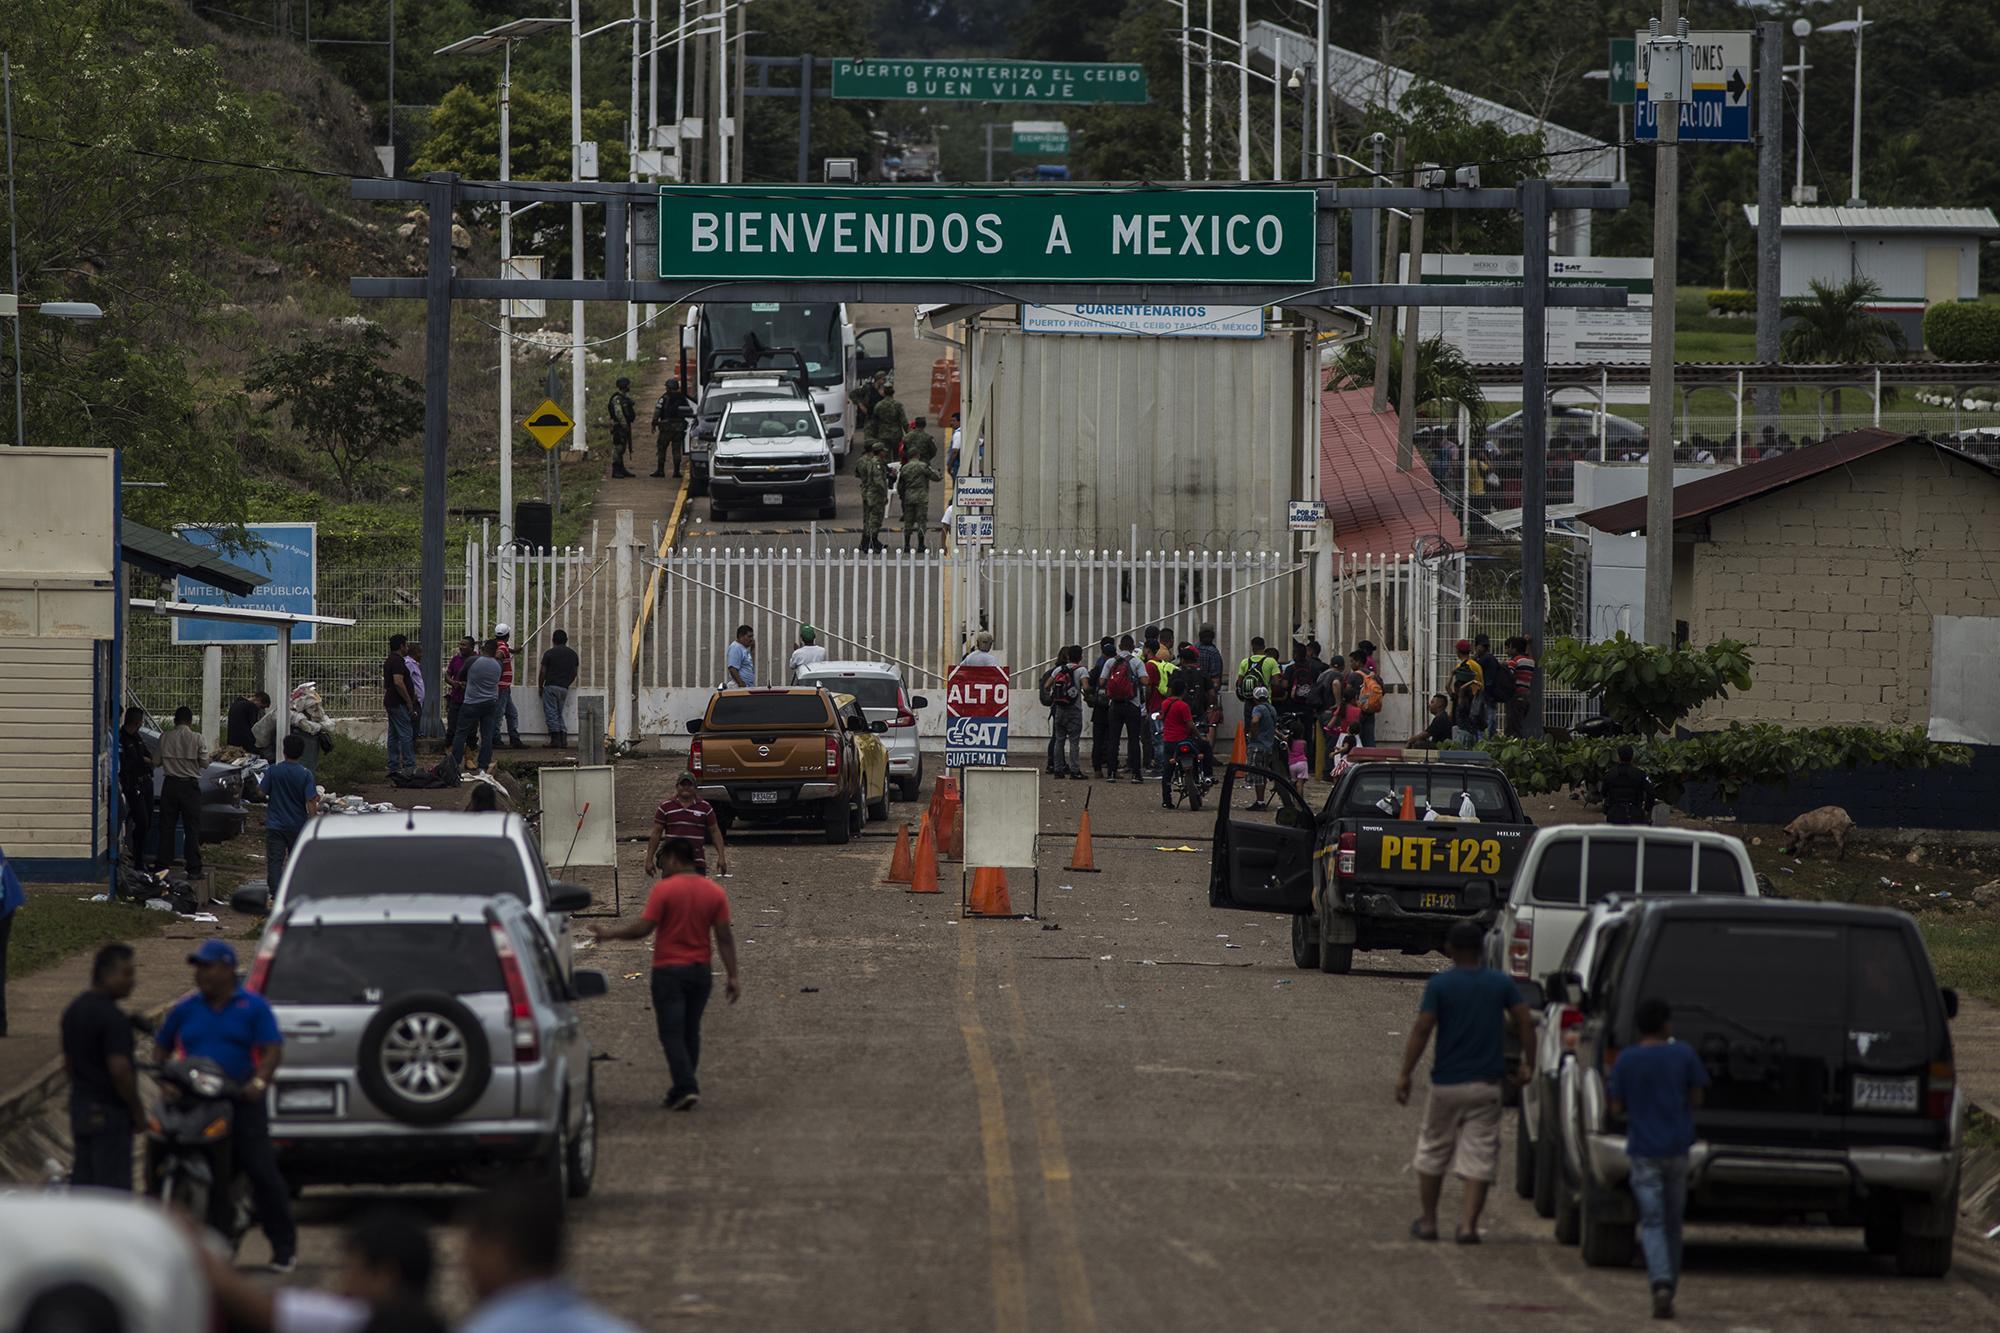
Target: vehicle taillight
1943,1081
527,1042
1343,861
1521,947
260,966
832,755
694,757
904,717
1568,1020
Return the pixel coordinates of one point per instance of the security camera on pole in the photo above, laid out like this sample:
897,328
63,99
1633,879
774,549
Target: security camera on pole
1669,82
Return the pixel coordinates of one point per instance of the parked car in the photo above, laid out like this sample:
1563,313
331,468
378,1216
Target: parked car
490,855
1570,867
428,1037
1832,1089
770,755
879,688
1575,426
770,454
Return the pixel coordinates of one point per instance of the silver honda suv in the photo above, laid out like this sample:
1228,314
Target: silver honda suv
428,1037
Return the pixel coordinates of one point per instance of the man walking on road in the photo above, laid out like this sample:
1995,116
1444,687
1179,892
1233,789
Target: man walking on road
399,702
622,412
738,665
872,471
103,1085
683,910
913,484
553,682
1657,1086
290,799
1468,1007
670,427
183,756
685,817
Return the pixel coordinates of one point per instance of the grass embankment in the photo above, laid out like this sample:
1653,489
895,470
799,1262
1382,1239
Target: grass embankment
56,926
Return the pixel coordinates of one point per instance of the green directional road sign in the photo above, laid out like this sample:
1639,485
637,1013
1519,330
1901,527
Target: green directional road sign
809,233
1624,84
1041,138
975,80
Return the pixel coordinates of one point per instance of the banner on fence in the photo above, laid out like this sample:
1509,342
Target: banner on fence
288,558
975,717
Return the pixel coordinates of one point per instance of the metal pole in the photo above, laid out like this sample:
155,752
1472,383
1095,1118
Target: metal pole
680,85
392,87
506,580
576,331
1243,90
1384,330
721,91
632,177
437,431
14,253
1319,88
739,133
1534,430
1854,181
1660,445
1208,90
1406,410
1799,183
1187,103
653,77
989,149
805,116
1278,118
1770,205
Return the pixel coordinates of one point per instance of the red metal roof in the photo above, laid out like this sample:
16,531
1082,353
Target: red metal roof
1374,509
1705,496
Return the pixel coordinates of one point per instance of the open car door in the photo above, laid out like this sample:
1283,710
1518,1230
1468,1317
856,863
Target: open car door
1263,862
874,349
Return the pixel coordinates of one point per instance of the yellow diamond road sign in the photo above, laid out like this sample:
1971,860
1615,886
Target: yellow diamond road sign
548,424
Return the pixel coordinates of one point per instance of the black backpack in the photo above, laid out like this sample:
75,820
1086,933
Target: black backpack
1499,679
1059,687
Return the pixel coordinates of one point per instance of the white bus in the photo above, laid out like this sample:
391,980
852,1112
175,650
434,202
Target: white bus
837,355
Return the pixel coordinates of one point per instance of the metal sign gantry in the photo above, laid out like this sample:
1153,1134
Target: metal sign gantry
630,245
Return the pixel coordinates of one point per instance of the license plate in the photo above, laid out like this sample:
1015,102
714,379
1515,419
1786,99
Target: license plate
772,498
307,1099
1443,901
763,798
1885,1094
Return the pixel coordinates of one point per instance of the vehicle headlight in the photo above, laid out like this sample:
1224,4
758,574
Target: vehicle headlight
205,1082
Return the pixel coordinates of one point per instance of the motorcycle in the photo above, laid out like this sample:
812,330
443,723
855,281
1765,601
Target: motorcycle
187,1142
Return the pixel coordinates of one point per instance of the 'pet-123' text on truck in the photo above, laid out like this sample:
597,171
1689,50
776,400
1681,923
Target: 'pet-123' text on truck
1354,875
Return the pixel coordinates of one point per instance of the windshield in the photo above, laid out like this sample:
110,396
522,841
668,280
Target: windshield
766,423
358,867
372,964
744,711
868,691
813,331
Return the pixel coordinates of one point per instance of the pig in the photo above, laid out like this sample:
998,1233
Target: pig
1829,821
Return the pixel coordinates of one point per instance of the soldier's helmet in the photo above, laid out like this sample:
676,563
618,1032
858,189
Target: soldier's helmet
624,383
673,386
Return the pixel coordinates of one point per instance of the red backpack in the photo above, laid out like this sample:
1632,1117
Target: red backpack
1118,685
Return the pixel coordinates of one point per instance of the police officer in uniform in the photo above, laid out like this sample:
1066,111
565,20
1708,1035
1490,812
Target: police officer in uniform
622,413
873,474
670,427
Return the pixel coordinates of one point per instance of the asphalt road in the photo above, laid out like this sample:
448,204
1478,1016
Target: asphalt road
1113,1118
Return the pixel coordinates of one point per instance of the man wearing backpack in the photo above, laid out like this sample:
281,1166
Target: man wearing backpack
1124,691
1100,707
1064,696
1361,666
1499,682
1255,671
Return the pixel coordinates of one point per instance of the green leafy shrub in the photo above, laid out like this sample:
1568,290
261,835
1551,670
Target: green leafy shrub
1646,689
1763,754
1963,331
350,764
1732,301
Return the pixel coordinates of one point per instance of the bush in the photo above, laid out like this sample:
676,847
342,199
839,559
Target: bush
1963,331
1732,301
351,764
1646,689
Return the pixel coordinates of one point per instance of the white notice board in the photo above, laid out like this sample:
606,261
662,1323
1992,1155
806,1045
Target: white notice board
1003,815
566,793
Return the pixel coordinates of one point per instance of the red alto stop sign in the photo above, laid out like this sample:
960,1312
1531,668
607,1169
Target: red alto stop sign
976,691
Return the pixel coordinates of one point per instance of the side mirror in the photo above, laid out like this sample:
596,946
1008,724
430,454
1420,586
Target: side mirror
1479,895
251,899
586,984
1531,994
694,726
918,701
565,897
879,727
1950,1001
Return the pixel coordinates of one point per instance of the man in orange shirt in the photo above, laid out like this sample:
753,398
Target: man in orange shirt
681,912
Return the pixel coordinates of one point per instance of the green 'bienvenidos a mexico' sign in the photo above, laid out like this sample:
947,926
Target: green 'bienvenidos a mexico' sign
985,234
972,79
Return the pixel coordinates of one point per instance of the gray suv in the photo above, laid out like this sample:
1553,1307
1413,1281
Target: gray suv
428,1037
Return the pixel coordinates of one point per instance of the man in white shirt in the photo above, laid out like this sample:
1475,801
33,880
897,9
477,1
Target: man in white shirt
982,651
808,651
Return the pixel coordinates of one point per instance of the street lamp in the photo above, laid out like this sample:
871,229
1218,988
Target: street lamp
12,307
1297,84
1854,25
1801,29
1277,116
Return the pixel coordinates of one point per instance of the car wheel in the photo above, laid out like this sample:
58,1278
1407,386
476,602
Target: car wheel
1305,942
834,821
879,810
907,788
1524,1156
716,513
1337,959
1607,1243
1569,1223
1923,1242
423,1058
582,1164
1545,1162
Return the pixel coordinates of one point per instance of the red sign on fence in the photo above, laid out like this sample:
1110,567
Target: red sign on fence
975,717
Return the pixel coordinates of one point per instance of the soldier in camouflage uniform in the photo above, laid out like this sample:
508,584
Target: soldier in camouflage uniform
919,446
914,485
873,474
864,396
670,426
890,423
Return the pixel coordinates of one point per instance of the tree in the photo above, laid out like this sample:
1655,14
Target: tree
1438,129
1835,324
341,399
1444,376
1644,688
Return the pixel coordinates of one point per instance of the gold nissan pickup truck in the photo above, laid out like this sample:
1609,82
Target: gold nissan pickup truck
770,755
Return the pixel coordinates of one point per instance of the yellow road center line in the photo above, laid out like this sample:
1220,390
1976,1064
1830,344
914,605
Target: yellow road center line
1010,1284
1072,1284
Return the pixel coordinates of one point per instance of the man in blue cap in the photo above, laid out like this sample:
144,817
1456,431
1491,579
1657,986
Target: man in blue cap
221,1021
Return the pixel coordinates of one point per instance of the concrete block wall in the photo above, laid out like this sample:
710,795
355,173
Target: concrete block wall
1833,583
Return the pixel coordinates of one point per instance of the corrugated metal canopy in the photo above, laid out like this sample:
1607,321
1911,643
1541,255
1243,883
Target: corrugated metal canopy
1833,217
167,555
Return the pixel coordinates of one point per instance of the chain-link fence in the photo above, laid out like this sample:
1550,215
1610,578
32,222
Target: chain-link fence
345,661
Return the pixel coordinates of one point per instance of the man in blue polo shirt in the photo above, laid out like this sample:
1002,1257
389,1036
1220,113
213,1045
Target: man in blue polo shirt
221,1021
290,799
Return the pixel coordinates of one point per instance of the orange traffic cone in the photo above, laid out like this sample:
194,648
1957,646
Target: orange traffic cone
923,874
900,866
989,892
1409,810
949,826
1239,754
1080,859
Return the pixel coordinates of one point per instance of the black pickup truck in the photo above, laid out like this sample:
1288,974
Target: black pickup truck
1354,876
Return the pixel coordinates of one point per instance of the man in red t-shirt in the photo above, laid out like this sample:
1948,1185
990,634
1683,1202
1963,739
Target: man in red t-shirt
681,912
686,815
508,713
1176,729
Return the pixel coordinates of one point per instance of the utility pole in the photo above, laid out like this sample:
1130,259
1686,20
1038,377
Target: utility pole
1208,91
1406,411
1319,89
1666,59
1801,29
633,140
698,101
1243,90
577,408
1534,434
1384,315
1770,202
737,135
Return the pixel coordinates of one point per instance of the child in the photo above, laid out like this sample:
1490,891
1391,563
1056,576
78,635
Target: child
1296,759
1343,752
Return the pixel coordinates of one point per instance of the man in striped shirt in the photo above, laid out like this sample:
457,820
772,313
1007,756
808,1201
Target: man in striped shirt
686,816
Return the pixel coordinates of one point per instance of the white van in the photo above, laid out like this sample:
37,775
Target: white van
1570,867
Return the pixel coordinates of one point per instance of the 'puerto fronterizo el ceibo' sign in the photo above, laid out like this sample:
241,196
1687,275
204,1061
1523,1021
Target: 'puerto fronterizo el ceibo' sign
988,234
